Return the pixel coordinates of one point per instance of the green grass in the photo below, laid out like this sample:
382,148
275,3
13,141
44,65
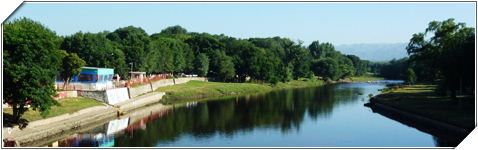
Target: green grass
67,105
422,100
200,90
302,82
366,78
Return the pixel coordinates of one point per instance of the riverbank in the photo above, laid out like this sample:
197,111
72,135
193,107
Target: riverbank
365,78
65,124
421,103
66,106
199,90
70,122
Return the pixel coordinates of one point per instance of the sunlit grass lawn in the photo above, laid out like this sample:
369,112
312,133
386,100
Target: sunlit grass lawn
199,90
195,90
67,105
366,78
422,100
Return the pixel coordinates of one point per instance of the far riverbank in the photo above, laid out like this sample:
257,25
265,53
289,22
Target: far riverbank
201,91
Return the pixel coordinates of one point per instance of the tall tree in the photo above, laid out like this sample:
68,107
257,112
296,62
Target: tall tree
30,61
202,64
321,50
174,30
327,68
165,55
221,66
447,50
133,41
359,65
96,50
411,77
71,65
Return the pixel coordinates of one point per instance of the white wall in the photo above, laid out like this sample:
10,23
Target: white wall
114,96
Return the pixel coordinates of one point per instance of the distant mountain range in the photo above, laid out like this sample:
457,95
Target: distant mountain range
375,51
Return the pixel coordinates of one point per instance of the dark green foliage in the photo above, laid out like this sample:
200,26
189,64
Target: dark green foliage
71,65
97,51
204,43
221,66
165,55
394,69
243,53
449,52
359,65
31,61
202,65
327,68
174,30
411,77
133,41
321,50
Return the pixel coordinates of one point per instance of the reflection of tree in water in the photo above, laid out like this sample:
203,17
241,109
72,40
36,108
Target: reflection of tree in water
282,110
324,99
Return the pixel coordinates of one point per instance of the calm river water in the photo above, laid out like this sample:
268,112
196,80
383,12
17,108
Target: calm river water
327,116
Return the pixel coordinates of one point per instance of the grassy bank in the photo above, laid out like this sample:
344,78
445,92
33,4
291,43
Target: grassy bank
67,105
365,78
199,90
422,100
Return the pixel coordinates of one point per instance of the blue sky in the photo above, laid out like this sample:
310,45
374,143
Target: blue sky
339,23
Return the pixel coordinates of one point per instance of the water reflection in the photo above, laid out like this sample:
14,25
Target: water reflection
315,116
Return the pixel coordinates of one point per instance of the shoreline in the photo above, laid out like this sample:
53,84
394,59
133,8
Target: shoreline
69,123
422,123
396,106
203,91
63,125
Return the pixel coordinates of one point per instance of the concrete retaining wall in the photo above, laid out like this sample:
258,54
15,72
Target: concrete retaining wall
135,91
114,96
161,83
65,94
98,95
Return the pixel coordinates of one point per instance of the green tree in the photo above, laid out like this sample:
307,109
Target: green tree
411,77
449,49
243,53
133,41
165,55
327,68
321,50
359,65
300,60
71,65
174,30
204,43
222,67
30,64
394,69
202,65
96,50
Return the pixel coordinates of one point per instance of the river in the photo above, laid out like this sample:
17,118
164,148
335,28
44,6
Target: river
326,116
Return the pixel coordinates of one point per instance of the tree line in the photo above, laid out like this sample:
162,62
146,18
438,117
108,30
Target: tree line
34,55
